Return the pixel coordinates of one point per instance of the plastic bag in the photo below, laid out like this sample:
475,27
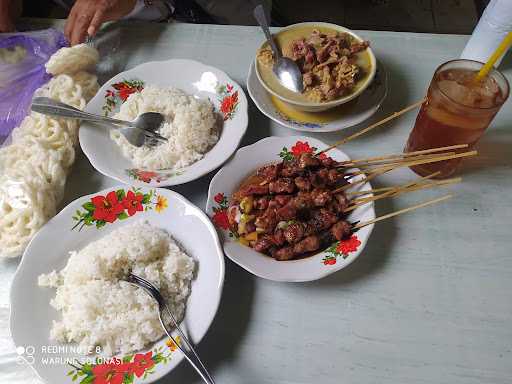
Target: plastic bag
22,59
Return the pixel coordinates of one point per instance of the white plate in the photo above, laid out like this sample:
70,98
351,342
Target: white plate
32,315
365,106
192,77
245,162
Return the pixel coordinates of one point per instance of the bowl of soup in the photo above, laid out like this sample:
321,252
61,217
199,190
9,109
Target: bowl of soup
336,64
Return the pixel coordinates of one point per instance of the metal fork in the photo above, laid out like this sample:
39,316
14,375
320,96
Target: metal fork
189,351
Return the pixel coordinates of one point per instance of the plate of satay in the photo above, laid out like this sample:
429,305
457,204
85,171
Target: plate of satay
293,209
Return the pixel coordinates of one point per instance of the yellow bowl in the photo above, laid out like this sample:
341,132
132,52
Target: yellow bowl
297,100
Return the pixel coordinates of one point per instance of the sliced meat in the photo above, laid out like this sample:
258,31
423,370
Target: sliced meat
308,160
322,219
268,221
288,212
270,172
283,254
333,176
319,179
254,189
261,203
327,161
282,199
308,244
302,183
263,244
278,237
290,169
341,230
320,197
294,232
342,200
282,185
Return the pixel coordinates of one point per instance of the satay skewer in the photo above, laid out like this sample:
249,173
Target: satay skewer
392,192
405,154
417,162
385,189
357,226
395,193
392,162
394,115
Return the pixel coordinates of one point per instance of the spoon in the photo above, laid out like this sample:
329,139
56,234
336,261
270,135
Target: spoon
284,68
143,130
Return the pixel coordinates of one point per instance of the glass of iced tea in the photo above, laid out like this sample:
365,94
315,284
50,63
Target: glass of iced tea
457,111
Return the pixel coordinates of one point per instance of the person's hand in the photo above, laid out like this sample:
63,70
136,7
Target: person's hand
87,16
9,10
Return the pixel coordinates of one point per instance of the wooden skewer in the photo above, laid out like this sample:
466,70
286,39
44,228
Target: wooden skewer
401,160
425,161
393,192
405,154
401,211
399,163
375,125
420,186
407,190
360,181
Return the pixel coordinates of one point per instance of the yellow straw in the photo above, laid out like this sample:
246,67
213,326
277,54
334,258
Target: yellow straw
502,48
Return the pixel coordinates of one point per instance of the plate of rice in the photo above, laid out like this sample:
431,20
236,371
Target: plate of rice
74,318
205,115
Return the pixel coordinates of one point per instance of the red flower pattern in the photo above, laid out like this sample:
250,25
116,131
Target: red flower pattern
141,363
301,147
107,207
220,219
228,105
133,203
110,373
350,245
219,198
329,261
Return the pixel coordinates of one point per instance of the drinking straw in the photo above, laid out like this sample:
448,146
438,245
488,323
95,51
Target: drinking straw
502,48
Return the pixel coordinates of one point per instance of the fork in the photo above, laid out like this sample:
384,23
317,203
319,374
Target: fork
188,350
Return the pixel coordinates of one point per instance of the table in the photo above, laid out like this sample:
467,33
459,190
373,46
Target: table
429,300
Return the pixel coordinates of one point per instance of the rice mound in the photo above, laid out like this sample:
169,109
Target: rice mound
98,309
189,127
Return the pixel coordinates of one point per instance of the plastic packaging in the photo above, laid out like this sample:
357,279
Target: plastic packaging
22,71
38,154
492,28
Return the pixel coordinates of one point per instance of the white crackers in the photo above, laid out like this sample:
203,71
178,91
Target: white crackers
34,167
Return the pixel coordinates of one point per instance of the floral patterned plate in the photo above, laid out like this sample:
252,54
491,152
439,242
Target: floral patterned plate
353,113
246,161
195,78
87,219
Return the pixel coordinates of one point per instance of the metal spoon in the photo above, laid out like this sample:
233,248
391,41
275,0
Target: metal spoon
285,69
143,130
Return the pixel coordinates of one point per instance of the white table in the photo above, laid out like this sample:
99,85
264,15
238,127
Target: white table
429,300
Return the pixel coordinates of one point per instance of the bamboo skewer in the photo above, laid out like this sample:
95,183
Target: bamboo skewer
393,192
405,154
401,160
420,186
375,125
406,190
401,211
421,161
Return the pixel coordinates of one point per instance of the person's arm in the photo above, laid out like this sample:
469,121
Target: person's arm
87,16
10,10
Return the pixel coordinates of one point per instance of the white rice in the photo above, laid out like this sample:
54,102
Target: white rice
100,310
189,127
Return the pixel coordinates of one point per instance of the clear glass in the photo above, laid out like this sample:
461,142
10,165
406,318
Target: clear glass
444,121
